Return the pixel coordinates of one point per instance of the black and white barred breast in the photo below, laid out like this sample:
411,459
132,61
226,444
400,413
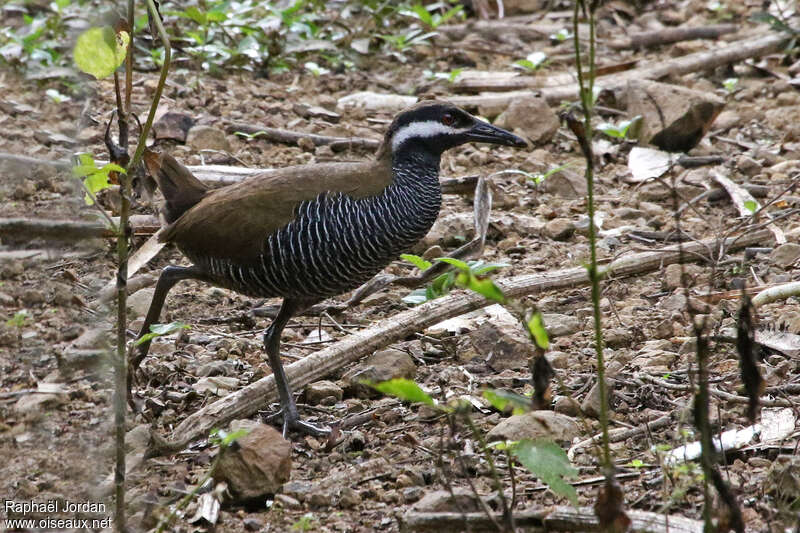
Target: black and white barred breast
335,243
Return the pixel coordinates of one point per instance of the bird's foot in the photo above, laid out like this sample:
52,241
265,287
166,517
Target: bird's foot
293,422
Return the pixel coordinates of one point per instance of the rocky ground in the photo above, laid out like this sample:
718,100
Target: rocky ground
55,384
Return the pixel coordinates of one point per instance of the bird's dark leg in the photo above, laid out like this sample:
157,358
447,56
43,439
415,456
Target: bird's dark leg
168,278
272,345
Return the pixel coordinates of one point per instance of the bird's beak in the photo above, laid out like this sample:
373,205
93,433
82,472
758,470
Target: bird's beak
486,133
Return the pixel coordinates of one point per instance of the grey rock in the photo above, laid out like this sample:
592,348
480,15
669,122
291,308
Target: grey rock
259,465
299,490
559,229
784,477
219,385
252,524
462,500
534,425
674,118
567,406
137,439
32,297
559,325
30,404
208,138
173,126
531,117
748,166
503,346
139,302
412,494
785,255
380,366
565,183
617,337
319,391
591,403
349,498
286,501
558,359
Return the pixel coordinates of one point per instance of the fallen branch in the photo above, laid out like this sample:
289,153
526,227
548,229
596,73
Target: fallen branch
70,230
671,35
246,401
293,137
706,60
561,518
776,292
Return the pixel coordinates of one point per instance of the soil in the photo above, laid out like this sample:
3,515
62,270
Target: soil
60,445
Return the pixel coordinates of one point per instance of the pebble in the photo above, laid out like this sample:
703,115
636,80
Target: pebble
32,297
321,391
260,464
208,138
559,229
534,425
785,255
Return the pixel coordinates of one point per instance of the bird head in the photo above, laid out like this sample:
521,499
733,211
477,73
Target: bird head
433,126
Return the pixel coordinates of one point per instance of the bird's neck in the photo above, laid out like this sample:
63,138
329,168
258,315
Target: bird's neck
417,169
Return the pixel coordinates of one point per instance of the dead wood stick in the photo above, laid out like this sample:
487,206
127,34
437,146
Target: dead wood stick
671,35
24,161
706,60
292,137
561,518
315,366
69,230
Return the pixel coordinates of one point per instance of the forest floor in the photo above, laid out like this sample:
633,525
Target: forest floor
56,430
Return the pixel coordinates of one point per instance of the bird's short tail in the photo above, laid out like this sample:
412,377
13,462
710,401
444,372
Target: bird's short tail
180,188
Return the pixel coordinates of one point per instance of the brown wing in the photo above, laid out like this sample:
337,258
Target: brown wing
233,222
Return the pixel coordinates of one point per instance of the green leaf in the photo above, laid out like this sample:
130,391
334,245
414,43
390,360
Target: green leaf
537,330
416,297
547,461
158,330
100,50
501,400
405,389
487,288
417,261
480,268
461,265
636,463
751,205
18,320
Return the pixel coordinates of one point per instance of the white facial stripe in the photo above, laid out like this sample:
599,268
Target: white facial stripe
428,128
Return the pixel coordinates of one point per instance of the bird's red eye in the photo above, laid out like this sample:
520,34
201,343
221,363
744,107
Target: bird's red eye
448,119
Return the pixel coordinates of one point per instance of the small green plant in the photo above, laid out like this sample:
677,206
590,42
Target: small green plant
18,320
534,61
560,36
56,96
307,522
729,85
545,459
315,69
159,330
94,178
430,15
621,130
636,463
467,275
539,177
404,41
447,76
